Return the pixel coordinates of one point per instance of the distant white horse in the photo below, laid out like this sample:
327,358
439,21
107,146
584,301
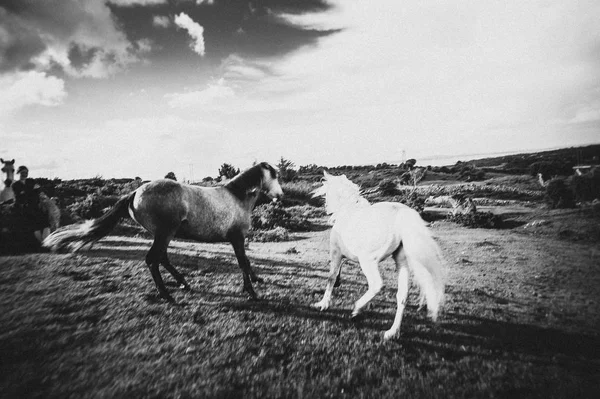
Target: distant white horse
369,234
7,195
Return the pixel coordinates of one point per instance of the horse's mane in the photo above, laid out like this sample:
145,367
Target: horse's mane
339,192
249,179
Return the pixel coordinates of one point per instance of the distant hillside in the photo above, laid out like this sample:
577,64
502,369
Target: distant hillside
520,163
565,158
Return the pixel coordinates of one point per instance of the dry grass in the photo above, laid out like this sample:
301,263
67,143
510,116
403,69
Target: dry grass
520,320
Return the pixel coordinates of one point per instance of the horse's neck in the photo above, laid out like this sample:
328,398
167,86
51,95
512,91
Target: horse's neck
7,194
347,208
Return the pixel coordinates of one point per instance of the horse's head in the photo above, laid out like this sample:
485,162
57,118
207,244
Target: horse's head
338,192
8,167
270,184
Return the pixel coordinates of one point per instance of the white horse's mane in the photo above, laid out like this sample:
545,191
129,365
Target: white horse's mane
339,193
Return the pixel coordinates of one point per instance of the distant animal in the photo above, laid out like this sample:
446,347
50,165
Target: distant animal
369,233
168,209
7,195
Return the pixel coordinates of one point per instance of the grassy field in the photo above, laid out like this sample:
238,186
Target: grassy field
520,320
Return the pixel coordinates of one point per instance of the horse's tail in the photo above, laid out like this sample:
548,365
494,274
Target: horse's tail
74,237
424,258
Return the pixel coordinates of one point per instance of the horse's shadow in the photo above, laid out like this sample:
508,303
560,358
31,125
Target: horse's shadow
454,337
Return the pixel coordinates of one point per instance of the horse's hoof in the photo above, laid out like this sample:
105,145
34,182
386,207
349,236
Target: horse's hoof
185,287
388,335
320,306
258,280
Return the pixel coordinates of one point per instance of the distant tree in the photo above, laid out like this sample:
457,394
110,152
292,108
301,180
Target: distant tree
171,176
410,163
310,168
228,171
287,171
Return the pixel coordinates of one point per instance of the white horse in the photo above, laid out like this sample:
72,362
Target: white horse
368,234
7,195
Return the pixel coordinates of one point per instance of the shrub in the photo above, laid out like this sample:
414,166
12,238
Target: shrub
586,187
411,199
551,168
388,187
269,216
299,193
273,235
559,194
92,206
486,220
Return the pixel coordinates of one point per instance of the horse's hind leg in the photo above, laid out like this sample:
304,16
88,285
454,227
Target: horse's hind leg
244,263
371,270
176,275
153,259
335,267
400,297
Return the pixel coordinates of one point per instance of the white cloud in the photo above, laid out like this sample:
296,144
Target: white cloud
207,2
86,25
161,21
195,30
201,98
21,89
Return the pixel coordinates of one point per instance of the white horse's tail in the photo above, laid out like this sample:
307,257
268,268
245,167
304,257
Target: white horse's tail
74,237
424,259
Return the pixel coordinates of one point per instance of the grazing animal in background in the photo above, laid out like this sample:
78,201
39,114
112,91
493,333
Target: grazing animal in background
369,233
168,209
7,195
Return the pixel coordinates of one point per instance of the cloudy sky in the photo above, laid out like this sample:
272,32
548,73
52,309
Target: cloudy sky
124,88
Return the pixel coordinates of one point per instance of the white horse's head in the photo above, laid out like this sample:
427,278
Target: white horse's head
8,167
338,192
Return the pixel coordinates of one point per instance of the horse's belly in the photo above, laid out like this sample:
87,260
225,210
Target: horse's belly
372,238
202,233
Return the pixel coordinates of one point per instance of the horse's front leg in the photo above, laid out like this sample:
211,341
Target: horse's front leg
335,267
244,263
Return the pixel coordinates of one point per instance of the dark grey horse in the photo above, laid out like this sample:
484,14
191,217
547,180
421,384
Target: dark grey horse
169,209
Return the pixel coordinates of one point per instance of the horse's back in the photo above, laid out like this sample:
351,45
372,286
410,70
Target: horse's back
370,230
158,203
200,213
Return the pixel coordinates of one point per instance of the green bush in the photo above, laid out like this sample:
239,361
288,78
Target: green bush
486,220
